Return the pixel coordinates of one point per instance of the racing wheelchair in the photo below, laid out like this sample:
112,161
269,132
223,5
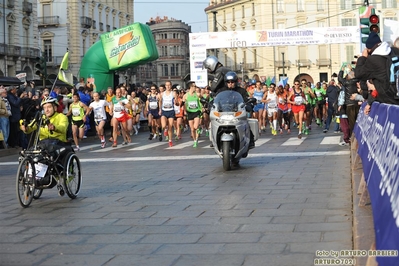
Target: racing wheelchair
47,164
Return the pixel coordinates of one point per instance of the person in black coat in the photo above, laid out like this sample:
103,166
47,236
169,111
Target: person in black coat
349,83
332,96
15,103
212,64
372,65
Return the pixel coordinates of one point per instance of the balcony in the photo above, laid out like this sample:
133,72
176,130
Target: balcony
323,62
101,26
13,50
279,64
27,7
86,22
30,52
303,63
48,21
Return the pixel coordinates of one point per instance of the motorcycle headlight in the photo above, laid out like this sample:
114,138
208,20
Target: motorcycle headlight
225,119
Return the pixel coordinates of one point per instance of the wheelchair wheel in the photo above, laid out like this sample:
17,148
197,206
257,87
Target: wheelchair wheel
37,193
25,182
72,178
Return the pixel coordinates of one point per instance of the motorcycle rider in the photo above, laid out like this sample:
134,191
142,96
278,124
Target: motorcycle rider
231,83
212,64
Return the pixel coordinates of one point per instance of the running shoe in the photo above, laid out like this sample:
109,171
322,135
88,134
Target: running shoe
76,148
170,144
151,136
177,137
85,137
325,130
155,136
207,133
299,135
160,137
195,144
124,143
167,138
306,131
165,133
281,131
103,145
344,143
114,145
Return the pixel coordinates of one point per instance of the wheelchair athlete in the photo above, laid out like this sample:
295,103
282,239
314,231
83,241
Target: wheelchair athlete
52,134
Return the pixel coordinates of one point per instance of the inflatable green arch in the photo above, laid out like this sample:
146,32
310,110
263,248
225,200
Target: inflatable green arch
120,49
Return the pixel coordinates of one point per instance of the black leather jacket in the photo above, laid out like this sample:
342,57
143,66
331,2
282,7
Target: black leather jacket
218,80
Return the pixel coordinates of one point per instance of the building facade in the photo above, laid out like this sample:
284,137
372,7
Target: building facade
171,37
18,38
313,62
76,25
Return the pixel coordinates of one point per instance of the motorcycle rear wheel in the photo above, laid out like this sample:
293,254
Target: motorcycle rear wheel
226,155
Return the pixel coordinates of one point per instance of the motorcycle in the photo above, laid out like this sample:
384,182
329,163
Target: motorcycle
231,128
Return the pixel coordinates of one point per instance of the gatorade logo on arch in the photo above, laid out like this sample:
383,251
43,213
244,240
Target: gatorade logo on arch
125,42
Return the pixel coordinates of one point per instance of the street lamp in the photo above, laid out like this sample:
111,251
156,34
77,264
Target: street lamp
282,55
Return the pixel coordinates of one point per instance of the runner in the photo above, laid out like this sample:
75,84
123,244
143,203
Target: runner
78,111
152,109
179,113
297,99
119,105
271,101
193,109
167,111
309,96
320,107
100,116
258,113
283,112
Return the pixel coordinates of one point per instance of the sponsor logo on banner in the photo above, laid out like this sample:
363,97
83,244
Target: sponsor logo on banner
198,64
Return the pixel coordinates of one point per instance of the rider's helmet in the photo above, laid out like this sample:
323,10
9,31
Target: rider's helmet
210,63
231,76
49,100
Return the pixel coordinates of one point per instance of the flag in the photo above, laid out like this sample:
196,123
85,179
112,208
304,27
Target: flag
64,74
268,81
273,80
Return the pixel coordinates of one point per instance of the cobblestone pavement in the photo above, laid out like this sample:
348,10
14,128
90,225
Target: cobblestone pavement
147,204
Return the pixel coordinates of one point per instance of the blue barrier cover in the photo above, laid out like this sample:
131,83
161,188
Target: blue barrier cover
378,138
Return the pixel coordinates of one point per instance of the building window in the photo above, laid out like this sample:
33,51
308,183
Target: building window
172,70
94,24
323,52
348,22
48,49
234,14
242,11
300,6
224,16
320,5
350,53
253,9
280,6
101,26
389,4
347,4
46,8
165,70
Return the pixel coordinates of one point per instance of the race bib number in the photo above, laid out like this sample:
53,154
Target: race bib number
177,109
272,104
298,100
76,111
318,94
40,169
153,105
193,105
118,109
168,104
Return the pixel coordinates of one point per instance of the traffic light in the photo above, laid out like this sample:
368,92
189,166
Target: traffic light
369,24
41,67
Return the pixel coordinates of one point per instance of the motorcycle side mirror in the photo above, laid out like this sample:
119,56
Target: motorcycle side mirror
251,100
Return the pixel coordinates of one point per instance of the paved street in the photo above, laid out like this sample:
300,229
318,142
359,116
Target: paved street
147,204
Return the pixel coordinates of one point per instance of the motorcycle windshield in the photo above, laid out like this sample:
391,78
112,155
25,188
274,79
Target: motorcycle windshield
228,101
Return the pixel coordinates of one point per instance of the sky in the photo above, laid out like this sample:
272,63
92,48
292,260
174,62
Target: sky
190,12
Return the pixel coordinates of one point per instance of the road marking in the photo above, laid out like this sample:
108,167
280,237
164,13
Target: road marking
258,143
293,142
148,146
114,148
330,140
90,147
183,145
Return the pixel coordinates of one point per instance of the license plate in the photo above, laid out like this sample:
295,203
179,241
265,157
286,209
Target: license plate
40,169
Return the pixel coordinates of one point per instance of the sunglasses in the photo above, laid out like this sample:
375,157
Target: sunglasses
230,81
296,83
303,82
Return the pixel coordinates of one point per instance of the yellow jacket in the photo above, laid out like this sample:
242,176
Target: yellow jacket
60,122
